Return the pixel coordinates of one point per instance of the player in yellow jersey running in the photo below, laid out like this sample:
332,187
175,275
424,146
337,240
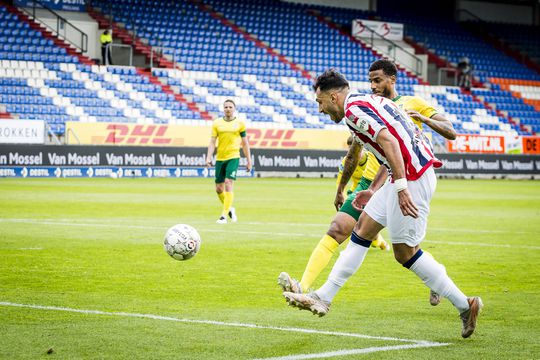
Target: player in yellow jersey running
382,76
230,133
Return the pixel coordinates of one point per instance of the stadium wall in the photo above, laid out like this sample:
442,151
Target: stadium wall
177,162
520,14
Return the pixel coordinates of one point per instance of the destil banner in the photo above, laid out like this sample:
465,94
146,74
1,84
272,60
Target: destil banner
197,136
485,144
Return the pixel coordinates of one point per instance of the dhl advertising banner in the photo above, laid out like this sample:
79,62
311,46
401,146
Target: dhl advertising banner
197,136
467,143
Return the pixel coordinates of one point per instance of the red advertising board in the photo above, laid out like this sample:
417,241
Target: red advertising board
531,145
486,144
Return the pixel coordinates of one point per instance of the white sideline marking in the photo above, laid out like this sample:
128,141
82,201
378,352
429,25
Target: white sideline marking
355,351
114,222
68,222
414,343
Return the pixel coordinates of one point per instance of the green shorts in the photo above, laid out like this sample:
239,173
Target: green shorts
226,170
347,205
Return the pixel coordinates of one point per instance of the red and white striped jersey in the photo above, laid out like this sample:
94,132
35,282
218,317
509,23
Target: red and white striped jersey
367,114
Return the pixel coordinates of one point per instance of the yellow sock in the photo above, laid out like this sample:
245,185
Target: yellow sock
318,260
221,197
227,202
379,242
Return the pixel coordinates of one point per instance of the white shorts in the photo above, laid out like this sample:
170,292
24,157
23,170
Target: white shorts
383,207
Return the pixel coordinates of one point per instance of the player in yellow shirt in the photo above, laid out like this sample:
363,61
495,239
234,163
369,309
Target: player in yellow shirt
367,168
230,133
382,76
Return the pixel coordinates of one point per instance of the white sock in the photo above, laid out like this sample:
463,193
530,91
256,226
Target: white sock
347,264
434,276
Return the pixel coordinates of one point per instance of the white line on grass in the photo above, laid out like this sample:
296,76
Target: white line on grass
414,343
233,230
355,351
116,222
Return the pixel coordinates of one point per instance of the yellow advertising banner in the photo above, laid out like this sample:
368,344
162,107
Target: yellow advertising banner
199,136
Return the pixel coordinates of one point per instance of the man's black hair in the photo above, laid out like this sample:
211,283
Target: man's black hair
387,66
330,79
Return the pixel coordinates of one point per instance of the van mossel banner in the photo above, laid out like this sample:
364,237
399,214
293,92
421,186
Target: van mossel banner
64,5
387,30
22,132
196,136
31,161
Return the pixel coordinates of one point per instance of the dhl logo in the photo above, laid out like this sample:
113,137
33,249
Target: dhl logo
271,138
138,134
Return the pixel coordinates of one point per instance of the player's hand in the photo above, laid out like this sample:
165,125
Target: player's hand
249,166
361,199
415,115
208,163
408,208
339,200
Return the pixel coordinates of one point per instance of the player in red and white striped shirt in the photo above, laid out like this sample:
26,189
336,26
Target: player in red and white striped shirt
401,204
366,115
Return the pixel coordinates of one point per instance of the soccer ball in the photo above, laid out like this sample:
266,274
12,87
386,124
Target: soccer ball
182,242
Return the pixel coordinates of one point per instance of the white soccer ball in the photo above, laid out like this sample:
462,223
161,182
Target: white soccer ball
182,242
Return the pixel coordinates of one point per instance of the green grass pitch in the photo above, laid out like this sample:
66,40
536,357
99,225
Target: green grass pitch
68,246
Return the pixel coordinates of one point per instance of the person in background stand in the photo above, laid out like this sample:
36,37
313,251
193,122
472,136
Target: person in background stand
106,41
464,73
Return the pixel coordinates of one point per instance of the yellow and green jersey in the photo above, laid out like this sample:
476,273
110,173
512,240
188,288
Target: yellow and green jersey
367,168
229,136
105,38
415,103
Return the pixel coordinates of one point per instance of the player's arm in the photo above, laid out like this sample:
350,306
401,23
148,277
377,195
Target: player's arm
351,162
362,197
247,151
437,122
390,146
211,149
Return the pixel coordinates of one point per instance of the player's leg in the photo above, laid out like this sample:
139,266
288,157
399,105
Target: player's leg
407,233
230,176
220,186
339,231
371,222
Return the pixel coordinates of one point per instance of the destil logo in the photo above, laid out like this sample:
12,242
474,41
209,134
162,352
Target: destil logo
138,134
271,138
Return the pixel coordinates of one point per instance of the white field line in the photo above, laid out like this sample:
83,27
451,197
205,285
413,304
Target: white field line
336,353
299,225
413,343
234,230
